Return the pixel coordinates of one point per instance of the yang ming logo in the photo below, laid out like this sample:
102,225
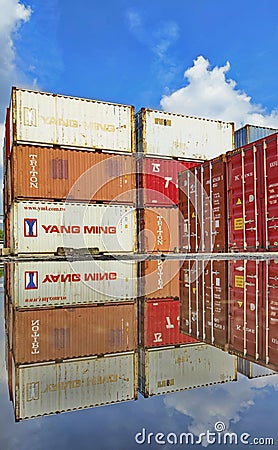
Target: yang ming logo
30,227
31,280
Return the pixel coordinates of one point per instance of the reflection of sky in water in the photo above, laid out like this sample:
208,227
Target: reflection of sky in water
246,406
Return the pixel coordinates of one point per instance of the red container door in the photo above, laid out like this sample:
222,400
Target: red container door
190,220
192,306
270,189
162,324
160,181
246,298
244,200
271,315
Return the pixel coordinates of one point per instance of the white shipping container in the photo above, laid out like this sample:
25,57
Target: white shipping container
42,227
161,133
48,388
57,283
252,370
45,118
189,366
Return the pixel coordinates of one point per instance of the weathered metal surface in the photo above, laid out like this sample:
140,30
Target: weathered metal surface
158,229
160,323
160,133
252,370
46,118
166,370
58,283
50,334
58,174
159,278
42,227
204,301
49,388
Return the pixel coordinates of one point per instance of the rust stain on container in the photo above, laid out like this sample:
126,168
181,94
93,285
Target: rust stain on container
58,174
158,229
44,335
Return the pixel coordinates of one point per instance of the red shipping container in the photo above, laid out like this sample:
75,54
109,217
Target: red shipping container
160,323
253,196
204,301
254,311
270,189
203,207
158,180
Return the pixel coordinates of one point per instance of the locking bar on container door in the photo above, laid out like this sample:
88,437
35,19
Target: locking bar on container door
244,309
203,299
255,195
212,301
243,199
197,296
210,207
265,197
202,221
189,297
188,210
257,310
196,208
266,324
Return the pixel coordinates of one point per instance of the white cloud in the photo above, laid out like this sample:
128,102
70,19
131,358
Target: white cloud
224,403
209,93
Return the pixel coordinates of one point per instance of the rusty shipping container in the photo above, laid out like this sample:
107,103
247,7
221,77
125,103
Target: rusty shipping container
158,180
158,229
42,227
159,323
204,301
50,334
254,311
159,278
161,133
62,174
253,196
251,133
203,207
53,119
171,369
59,283
49,388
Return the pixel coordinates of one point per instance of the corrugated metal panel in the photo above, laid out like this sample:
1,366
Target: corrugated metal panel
204,301
43,389
244,199
254,311
42,227
57,283
158,229
252,204
159,279
161,133
252,370
251,133
51,173
160,323
190,366
158,180
50,334
45,118
202,193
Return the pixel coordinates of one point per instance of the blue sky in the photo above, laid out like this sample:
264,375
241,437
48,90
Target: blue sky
206,58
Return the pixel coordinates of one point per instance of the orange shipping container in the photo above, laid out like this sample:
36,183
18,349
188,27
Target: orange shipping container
44,335
159,279
158,229
57,174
